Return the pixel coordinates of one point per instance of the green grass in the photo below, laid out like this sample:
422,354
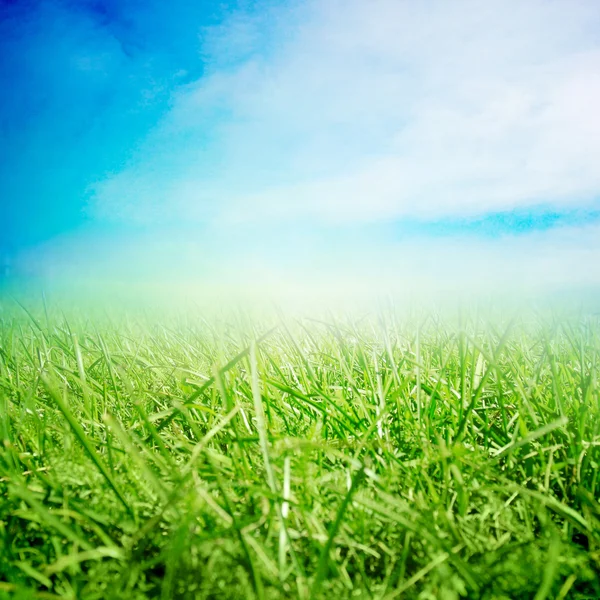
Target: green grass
367,458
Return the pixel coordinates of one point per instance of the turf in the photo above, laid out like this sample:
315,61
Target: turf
383,457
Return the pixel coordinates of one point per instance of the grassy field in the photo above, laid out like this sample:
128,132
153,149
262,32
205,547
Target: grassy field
382,457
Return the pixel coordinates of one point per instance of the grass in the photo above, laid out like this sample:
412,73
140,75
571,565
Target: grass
378,458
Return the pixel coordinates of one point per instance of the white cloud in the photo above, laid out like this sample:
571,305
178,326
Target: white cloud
346,111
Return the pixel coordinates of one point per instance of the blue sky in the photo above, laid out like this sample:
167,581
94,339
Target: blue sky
321,135
83,84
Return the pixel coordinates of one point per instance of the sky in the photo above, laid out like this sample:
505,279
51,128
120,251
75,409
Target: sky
454,143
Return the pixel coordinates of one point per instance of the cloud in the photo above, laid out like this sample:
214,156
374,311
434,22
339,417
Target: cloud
341,112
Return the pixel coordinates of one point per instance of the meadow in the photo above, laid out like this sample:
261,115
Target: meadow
384,456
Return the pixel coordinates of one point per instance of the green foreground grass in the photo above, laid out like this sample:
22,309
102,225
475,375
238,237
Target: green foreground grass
375,458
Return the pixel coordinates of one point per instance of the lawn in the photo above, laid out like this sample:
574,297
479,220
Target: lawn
382,456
